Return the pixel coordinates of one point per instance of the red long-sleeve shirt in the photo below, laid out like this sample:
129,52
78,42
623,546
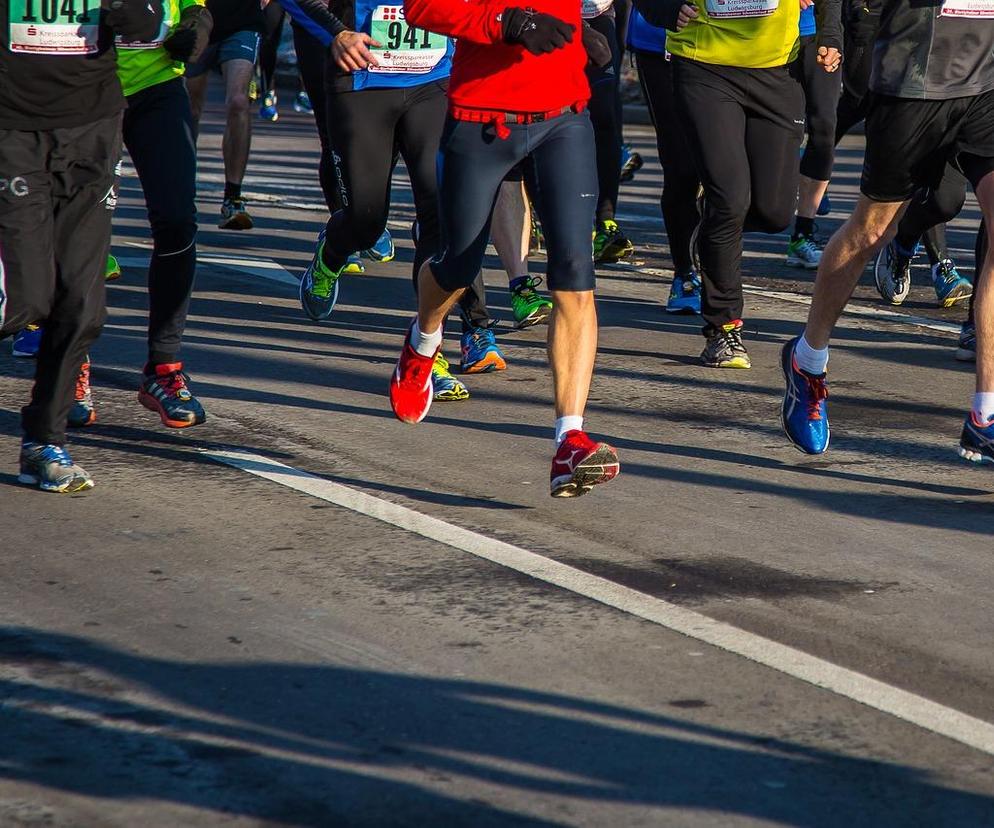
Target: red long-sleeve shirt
488,73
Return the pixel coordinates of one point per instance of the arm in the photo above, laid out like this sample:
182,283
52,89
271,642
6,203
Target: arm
828,17
662,13
313,16
475,22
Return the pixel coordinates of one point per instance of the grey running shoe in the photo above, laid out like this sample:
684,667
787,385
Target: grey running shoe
51,469
234,216
892,273
724,348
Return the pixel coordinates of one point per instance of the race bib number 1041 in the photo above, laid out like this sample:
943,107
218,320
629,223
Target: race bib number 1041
54,27
968,8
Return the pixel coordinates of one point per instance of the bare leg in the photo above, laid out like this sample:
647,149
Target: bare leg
983,304
809,195
238,129
434,302
572,348
870,226
510,228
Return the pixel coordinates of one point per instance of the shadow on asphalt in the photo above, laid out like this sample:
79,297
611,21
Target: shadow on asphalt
317,745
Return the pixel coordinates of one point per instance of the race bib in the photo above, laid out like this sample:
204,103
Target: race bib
54,27
968,8
403,48
741,8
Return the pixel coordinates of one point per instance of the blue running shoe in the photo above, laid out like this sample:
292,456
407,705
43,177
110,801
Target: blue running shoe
446,387
685,294
267,109
51,469
354,264
976,444
27,342
631,163
825,207
803,413
302,103
950,286
480,353
383,250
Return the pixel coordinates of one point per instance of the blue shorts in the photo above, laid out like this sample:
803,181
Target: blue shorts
239,46
560,171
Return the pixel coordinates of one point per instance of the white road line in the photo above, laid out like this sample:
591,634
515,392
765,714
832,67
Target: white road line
922,712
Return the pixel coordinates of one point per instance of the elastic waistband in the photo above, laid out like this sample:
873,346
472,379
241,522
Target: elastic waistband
500,120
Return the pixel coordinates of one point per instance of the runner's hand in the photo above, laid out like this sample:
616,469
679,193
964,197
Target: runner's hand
538,33
189,37
598,49
350,51
136,21
686,14
829,58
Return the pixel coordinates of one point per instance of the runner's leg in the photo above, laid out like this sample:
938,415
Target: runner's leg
237,139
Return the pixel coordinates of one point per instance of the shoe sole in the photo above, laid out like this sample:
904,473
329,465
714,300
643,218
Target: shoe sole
536,318
452,396
956,296
784,357
490,363
239,222
24,354
112,276
600,467
791,262
149,402
68,488
973,456
963,355
882,262
738,364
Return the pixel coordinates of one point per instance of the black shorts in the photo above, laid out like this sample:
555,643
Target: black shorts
909,142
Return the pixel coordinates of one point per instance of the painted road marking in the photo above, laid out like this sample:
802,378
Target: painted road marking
926,714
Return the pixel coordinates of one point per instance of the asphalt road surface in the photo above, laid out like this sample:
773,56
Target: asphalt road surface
305,613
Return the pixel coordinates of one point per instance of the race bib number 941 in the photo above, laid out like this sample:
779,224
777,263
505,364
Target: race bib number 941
54,27
403,48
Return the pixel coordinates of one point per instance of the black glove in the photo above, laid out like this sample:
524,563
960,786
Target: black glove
189,37
134,20
598,49
538,33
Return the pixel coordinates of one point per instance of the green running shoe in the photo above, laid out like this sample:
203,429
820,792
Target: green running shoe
113,269
530,307
319,287
610,244
445,386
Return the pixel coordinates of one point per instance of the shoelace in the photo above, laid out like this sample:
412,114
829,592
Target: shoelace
527,288
82,382
414,370
173,383
484,336
732,338
817,393
56,454
947,271
441,365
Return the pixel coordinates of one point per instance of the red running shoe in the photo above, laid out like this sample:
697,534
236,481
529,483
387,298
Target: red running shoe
410,385
580,464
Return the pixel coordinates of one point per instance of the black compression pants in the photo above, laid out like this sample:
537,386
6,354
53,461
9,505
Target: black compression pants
605,115
269,45
311,54
366,130
821,100
745,128
680,180
158,132
54,240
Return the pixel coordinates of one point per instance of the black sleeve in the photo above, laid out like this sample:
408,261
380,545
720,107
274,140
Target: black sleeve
661,12
828,19
315,18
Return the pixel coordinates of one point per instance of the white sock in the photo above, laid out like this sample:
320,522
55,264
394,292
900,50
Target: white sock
425,344
983,406
812,360
571,422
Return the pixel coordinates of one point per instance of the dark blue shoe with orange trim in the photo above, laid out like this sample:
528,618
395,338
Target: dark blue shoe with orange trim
164,390
976,444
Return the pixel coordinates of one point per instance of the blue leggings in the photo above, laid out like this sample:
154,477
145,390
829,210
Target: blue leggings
561,177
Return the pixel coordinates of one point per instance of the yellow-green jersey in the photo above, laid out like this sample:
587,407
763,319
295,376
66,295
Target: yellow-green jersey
141,65
747,34
750,34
